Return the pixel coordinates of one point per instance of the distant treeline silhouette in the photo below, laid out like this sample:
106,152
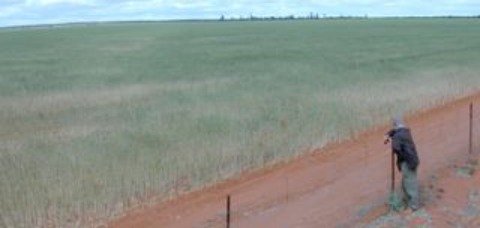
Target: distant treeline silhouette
315,16
311,16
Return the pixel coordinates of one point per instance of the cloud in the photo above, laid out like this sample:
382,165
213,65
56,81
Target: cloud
53,2
20,12
8,11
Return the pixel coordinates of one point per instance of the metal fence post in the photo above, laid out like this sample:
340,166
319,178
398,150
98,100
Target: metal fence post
393,174
228,211
470,139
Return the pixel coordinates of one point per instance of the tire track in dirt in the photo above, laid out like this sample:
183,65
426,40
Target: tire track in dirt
337,185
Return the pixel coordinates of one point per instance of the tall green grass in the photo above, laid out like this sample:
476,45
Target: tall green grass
96,119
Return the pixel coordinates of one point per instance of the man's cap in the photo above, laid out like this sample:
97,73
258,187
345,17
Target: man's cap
397,122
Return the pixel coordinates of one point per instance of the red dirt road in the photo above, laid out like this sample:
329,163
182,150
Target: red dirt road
338,185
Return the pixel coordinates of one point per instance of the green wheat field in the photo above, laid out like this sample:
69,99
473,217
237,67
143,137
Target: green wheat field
98,118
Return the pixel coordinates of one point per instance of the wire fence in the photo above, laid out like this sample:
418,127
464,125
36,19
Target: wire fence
444,136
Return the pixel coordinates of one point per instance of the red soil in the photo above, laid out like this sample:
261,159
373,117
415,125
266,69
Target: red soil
455,200
342,184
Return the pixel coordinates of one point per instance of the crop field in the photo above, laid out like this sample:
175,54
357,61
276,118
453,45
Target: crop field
95,119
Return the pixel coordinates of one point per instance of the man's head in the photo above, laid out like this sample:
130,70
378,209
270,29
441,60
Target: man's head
398,123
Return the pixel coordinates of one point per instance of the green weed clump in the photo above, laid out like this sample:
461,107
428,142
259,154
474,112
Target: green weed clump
395,202
96,119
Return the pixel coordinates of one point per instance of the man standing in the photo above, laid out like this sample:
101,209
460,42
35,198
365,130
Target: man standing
407,161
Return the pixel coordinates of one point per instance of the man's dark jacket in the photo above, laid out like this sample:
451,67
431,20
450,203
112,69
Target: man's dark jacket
404,147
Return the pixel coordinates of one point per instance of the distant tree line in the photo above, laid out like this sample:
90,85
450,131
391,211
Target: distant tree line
315,16
310,16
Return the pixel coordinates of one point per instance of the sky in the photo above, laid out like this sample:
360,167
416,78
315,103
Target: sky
30,12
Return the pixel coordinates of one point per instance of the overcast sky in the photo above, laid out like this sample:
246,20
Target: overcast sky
27,12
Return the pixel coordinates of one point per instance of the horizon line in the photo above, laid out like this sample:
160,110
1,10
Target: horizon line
233,19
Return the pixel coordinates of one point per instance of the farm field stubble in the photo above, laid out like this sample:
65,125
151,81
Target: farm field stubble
97,118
